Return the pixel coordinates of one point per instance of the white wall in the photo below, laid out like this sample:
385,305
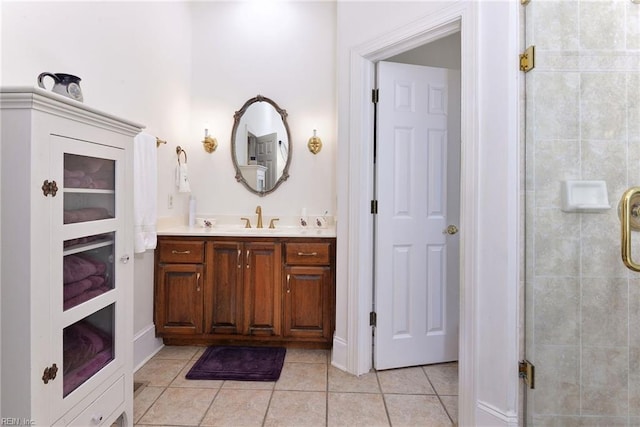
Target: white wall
444,52
284,51
134,60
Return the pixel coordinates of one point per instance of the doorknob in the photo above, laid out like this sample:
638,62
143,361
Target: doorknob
629,212
452,229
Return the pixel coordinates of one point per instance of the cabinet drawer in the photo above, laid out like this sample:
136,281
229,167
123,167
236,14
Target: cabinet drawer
308,253
181,252
99,411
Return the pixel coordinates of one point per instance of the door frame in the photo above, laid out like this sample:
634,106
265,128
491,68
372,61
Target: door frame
461,16
491,204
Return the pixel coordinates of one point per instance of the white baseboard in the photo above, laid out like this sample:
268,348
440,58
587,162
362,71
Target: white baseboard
145,345
489,415
339,353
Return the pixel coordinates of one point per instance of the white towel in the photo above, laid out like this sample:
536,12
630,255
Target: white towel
145,190
182,178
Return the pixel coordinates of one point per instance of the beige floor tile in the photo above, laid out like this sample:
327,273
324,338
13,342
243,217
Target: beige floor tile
451,406
444,378
159,372
346,382
416,410
182,381
179,406
405,381
303,377
249,385
176,352
356,409
306,355
144,400
238,408
297,409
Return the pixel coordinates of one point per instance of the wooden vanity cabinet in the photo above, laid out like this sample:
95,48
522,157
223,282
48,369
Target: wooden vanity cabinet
178,290
233,290
308,290
242,293
223,291
262,273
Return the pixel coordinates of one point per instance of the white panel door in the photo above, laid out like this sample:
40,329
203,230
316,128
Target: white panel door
266,156
417,172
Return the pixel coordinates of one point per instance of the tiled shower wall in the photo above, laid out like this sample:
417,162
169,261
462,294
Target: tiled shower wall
582,122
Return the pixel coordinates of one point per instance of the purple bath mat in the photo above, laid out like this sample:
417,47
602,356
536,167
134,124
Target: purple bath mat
239,364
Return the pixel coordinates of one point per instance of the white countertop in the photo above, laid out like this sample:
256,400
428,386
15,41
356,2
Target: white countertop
239,231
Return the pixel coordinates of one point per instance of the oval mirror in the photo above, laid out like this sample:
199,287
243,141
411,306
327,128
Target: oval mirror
261,145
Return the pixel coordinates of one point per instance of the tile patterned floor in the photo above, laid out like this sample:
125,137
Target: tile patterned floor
310,392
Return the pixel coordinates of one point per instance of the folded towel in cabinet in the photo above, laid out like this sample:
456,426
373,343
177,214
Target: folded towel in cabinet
145,190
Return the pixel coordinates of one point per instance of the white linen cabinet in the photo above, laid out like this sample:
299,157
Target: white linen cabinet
67,262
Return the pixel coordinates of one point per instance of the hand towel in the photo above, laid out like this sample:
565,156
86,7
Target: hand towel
182,178
145,190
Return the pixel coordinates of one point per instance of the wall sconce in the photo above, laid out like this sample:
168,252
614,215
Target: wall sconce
210,144
315,143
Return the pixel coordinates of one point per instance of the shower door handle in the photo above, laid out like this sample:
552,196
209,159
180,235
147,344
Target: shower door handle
629,211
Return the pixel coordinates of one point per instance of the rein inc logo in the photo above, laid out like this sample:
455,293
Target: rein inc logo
14,421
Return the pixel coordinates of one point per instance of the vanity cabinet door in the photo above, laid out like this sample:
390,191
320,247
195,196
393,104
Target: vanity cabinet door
307,302
179,299
223,293
262,288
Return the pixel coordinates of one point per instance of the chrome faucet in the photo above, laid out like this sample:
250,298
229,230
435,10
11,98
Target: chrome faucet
259,212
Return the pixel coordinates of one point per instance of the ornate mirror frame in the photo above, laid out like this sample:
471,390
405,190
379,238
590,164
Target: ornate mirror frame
236,122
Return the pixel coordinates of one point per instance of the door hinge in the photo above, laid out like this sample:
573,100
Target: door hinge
374,206
373,319
375,94
527,59
526,371
524,2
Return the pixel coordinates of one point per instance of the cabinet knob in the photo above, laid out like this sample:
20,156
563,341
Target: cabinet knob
49,373
124,259
96,418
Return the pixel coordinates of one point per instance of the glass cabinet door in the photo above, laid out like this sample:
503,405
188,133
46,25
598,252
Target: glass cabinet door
86,249
87,268
89,188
